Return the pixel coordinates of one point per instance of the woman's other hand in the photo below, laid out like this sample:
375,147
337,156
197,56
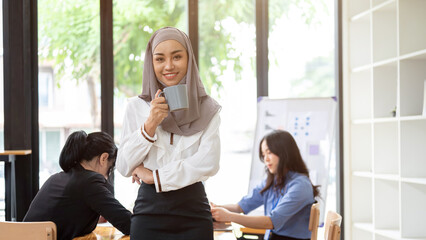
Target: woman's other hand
142,174
220,214
159,111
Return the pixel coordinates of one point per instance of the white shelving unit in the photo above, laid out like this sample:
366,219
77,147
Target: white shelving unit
385,132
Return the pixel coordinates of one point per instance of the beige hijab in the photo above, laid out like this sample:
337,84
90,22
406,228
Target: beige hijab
202,107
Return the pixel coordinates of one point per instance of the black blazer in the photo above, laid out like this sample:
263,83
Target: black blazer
74,201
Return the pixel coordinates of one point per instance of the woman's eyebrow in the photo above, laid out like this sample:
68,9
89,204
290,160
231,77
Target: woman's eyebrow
162,54
176,51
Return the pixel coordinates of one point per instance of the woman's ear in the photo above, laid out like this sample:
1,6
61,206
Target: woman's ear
103,159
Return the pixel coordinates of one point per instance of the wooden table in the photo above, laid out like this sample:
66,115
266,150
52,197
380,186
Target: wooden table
111,233
104,233
10,156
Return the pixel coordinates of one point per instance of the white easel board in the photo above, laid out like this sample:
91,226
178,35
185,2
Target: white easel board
311,121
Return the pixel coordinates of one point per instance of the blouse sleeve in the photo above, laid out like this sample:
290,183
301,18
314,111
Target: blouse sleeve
134,147
99,198
253,200
198,167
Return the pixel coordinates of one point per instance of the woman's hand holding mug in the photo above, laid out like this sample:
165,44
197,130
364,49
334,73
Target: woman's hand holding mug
159,111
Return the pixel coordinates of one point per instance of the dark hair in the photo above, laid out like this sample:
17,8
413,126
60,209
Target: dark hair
282,144
80,145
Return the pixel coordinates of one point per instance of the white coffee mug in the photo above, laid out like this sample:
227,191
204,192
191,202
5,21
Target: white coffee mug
176,97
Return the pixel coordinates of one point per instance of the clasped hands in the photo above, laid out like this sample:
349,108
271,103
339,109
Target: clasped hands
142,174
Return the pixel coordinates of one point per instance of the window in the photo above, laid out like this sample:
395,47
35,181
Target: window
134,23
69,80
301,58
45,87
301,49
227,56
2,181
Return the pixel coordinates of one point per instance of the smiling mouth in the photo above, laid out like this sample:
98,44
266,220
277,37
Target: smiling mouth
170,75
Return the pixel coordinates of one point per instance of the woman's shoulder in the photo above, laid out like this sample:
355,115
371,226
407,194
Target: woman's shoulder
299,179
86,177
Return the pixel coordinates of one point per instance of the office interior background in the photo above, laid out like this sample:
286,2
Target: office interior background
86,58
69,72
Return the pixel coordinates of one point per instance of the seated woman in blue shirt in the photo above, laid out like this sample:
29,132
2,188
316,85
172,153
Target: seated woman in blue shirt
287,193
75,198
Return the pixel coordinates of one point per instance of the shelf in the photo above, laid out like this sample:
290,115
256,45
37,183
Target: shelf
385,32
418,55
414,180
385,90
389,177
386,149
360,89
412,32
389,233
361,153
358,8
385,120
360,38
366,226
386,204
413,210
361,121
413,118
377,5
413,149
362,231
361,68
412,77
362,174
361,199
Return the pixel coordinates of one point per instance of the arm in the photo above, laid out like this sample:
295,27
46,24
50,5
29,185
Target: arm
100,199
230,207
223,215
134,147
199,166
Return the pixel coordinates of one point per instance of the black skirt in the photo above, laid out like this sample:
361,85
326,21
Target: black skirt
181,214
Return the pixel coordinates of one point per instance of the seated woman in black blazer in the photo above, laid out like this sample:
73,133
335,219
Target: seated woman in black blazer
75,198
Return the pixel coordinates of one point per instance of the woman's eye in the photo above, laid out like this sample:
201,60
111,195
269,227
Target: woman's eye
177,57
159,59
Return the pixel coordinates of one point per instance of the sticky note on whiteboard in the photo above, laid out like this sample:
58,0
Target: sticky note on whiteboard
313,149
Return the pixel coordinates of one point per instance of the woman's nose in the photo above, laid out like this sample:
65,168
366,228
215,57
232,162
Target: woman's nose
169,65
266,158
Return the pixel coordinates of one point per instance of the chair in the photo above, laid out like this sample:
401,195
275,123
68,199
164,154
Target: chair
314,221
332,226
28,230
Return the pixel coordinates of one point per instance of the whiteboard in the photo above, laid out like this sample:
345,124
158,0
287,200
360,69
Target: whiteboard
311,121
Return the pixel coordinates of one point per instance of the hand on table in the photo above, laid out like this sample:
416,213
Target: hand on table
220,214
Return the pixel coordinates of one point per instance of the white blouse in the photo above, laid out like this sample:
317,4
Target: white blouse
189,160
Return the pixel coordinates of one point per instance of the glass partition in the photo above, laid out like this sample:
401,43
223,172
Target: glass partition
227,56
301,48
2,182
69,75
301,59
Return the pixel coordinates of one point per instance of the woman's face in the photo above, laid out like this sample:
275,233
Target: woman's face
170,61
270,159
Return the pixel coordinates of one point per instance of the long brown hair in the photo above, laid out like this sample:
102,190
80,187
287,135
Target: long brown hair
282,144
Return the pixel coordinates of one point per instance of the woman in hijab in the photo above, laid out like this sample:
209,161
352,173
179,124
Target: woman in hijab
170,153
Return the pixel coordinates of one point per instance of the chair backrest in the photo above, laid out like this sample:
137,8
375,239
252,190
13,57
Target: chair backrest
314,221
28,230
332,226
